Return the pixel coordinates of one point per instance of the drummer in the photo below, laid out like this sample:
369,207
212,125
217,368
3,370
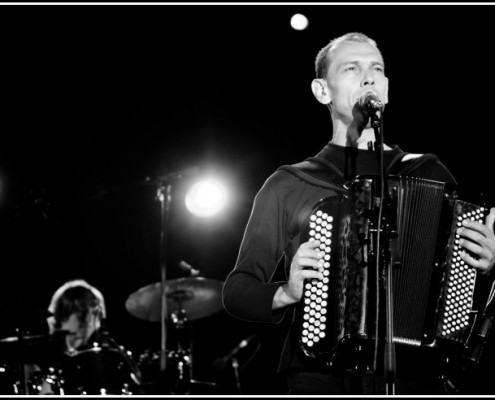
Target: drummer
77,309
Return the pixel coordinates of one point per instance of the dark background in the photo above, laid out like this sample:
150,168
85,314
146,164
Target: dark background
95,99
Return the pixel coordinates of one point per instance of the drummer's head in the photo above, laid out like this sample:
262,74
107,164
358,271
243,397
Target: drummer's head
79,308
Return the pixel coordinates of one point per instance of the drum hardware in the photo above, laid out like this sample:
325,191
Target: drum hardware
22,353
9,384
49,382
187,299
177,378
174,299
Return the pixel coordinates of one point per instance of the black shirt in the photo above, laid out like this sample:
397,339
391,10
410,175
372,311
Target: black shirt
280,208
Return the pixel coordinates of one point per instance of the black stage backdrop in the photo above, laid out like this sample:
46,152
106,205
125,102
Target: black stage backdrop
95,99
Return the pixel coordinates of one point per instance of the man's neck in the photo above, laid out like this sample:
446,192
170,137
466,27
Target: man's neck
348,136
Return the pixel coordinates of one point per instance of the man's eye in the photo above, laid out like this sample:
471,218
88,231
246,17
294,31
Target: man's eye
379,69
351,68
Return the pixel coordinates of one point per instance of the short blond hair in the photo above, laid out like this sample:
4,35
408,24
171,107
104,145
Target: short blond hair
322,62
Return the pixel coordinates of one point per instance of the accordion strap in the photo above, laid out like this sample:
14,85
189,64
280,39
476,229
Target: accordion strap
319,172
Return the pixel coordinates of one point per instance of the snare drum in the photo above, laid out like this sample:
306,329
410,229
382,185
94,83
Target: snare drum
100,370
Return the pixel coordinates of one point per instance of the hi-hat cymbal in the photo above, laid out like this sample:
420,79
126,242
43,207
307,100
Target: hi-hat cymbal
199,297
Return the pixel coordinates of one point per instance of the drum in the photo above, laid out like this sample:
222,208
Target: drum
176,379
100,370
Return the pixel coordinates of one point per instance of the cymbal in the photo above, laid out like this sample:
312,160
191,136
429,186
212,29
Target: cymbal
25,340
199,297
31,347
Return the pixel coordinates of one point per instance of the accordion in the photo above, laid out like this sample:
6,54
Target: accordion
436,295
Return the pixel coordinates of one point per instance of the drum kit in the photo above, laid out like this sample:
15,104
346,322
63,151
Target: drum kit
40,364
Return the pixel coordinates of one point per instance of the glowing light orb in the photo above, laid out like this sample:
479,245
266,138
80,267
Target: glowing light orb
206,198
299,22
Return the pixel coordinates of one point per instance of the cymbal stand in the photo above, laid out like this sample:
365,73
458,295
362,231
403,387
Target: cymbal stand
164,195
182,355
22,387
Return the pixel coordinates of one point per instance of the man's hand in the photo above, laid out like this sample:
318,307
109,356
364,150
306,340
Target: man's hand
479,239
306,264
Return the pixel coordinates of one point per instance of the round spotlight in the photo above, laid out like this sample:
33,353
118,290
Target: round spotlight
206,198
299,22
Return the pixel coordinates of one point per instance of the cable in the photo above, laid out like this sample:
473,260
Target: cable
379,136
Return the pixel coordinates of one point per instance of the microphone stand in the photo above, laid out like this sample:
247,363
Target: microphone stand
392,252
164,195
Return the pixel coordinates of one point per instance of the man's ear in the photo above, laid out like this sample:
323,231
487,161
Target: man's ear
320,91
385,93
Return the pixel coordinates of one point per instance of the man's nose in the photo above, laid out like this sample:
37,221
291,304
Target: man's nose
367,79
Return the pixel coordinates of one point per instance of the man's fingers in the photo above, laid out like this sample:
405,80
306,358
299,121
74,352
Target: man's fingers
310,244
472,247
311,274
490,219
310,253
309,262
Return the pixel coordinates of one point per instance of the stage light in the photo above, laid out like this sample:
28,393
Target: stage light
206,198
299,22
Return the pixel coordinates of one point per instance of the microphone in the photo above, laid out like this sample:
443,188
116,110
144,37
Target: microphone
220,363
370,101
188,268
183,173
176,175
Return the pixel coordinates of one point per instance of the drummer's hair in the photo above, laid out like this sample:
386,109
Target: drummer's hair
67,305
77,300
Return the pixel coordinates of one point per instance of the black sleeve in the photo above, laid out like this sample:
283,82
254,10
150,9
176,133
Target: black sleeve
248,291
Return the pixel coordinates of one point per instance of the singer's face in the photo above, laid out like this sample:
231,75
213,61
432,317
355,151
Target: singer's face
354,69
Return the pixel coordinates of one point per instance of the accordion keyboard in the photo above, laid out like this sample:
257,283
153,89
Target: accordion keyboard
316,290
456,303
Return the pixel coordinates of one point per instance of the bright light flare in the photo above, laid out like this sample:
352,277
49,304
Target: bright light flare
299,22
206,198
